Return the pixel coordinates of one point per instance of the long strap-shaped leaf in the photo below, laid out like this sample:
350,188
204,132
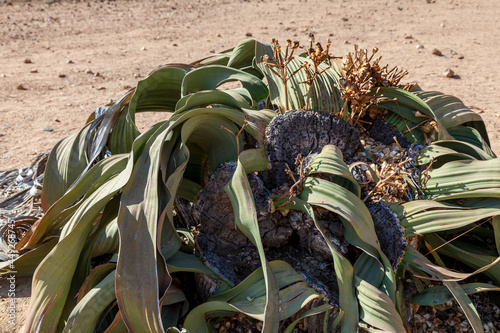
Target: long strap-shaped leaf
440,294
425,216
245,214
210,77
486,264
331,161
137,275
405,103
66,162
452,112
53,276
249,297
360,232
464,179
343,271
457,291
89,309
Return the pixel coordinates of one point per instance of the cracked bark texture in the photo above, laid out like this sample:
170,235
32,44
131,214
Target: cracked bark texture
304,132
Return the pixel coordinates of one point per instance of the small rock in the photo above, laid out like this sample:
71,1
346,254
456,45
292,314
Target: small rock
57,120
127,86
70,61
408,37
101,88
62,75
174,44
97,74
143,48
248,34
449,73
21,87
2,75
34,71
28,61
89,71
442,25
437,52
419,46
345,19
48,129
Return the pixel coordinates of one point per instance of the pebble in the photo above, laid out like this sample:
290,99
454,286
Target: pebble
70,61
437,52
62,75
34,71
449,73
21,87
143,48
48,129
2,75
28,61
248,34
101,88
419,46
89,71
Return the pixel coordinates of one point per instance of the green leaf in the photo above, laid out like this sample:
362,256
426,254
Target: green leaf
425,216
452,112
254,160
66,162
61,211
485,264
377,309
343,271
243,54
184,262
312,312
87,312
464,179
53,276
25,264
239,192
405,104
440,294
454,288
331,161
249,297
210,77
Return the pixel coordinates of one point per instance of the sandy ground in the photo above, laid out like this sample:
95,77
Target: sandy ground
59,60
